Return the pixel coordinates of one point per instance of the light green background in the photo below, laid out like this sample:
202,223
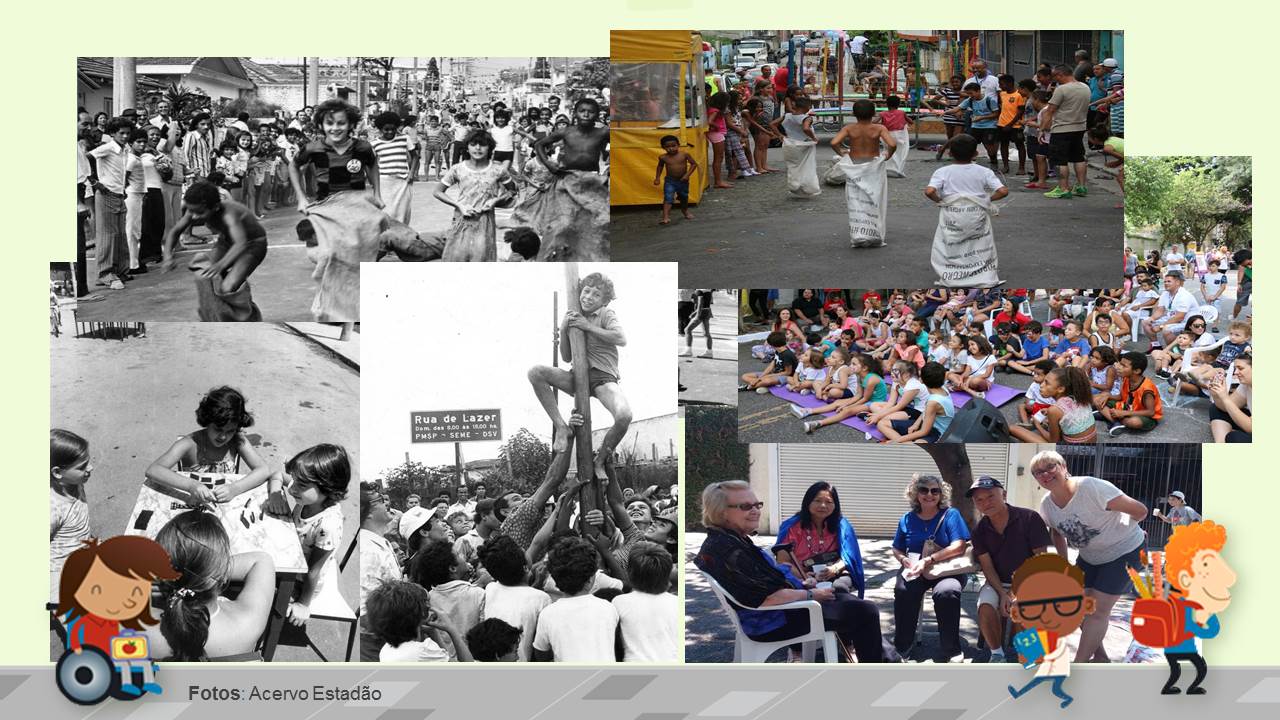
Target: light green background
1200,75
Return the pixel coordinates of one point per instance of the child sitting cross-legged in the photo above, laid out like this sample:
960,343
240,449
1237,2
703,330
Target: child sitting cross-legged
1139,408
933,421
871,388
781,367
811,370
907,397
835,384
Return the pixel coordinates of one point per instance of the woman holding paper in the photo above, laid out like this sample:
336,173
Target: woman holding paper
819,543
931,533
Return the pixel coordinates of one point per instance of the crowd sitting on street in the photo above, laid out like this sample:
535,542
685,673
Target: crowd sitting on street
896,363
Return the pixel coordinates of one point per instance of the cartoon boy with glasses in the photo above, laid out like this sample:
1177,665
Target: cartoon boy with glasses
1048,595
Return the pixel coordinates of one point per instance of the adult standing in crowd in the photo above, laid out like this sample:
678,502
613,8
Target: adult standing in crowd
989,83
931,532
751,576
108,180
1096,518
1065,116
1004,538
1084,66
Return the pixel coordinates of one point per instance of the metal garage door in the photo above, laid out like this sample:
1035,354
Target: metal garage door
870,478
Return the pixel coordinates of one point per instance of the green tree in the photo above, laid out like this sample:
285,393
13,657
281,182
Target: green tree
412,477
1148,181
523,461
712,454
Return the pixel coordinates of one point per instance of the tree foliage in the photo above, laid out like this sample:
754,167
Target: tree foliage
712,454
1191,198
523,461
414,478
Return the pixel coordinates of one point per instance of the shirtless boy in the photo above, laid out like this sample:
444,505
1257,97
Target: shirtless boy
863,136
680,166
584,143
242,241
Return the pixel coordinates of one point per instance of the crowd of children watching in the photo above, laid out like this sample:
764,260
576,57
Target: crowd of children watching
895,362
509,578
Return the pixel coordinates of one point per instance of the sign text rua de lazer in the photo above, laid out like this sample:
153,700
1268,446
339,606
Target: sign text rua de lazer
455,425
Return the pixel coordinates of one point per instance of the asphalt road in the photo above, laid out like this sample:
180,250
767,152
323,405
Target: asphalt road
282,285
708,633
132,398
710,380
759,235
766,418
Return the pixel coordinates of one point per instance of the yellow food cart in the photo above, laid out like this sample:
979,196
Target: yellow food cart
657,89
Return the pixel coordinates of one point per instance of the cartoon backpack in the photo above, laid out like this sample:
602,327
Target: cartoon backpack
1160,622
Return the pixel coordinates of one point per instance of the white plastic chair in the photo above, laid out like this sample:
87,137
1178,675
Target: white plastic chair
746,650
1187,364
1135,322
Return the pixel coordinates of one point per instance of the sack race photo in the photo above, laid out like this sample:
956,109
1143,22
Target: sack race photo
964,246
574,218
866,191
898,161
214,306
346,225
802,167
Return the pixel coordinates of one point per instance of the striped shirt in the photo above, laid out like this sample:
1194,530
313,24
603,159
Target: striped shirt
1115,83
199,151
393,156
953,99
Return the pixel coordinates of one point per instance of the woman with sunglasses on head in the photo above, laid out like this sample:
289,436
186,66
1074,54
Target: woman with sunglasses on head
750,575
1102,523
930,533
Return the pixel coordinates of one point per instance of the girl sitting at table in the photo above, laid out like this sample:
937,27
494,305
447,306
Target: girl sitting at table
196,621
318,482
217,447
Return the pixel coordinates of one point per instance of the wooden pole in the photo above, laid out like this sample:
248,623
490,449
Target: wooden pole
555,349
581,394
457,458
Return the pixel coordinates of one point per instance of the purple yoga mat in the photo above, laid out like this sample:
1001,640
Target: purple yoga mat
998,395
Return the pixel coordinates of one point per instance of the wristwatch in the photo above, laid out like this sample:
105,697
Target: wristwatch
810,594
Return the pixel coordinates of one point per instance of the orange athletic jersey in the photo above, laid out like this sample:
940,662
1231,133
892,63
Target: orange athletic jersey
1011,109
1133,399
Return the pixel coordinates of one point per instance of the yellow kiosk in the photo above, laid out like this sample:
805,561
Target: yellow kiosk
657,89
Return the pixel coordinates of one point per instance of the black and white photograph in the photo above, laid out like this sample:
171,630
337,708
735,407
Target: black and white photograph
521,445
241,189
961,158
236,448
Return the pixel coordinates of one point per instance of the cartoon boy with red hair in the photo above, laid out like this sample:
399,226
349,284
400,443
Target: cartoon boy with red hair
1200,575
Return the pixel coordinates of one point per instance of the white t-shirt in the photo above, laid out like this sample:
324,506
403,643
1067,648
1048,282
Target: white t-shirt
813,374
1181,302
969,179
502,136
1099,534
1034,394
977,365
1212,281
1144,295
517,606
413,651
922,393
940,354
650,626
578,629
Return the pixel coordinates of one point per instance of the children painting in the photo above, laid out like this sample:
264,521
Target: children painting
218,446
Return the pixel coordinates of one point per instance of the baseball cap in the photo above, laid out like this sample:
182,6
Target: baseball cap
1055,323
1110,62
1178,494
984,482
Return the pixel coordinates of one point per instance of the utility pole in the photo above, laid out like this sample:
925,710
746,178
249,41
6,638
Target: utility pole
124,82
313,78
577,340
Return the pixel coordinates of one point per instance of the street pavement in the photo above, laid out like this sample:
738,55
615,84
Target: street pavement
708,633
758,235
766,418
710,380
132,398
282,285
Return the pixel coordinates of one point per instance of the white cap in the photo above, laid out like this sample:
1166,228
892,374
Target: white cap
413,519
1110,62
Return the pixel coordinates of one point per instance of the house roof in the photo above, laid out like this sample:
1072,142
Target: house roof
270,74
96,72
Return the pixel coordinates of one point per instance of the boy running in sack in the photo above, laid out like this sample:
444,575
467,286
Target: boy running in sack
604,335
578,198
865,197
